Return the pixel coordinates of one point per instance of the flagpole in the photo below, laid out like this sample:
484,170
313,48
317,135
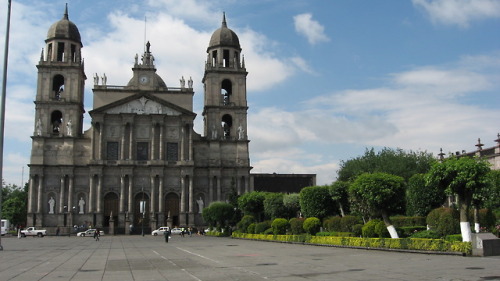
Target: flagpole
2,106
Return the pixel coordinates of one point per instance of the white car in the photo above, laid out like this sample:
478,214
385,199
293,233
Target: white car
176,230
89,232
159,231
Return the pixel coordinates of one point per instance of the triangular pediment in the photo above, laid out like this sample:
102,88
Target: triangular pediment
143,105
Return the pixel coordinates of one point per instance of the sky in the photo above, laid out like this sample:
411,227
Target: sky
326,79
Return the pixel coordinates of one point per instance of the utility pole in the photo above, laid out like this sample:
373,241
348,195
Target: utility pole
2,106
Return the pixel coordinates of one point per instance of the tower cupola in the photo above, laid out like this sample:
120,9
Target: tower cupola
64,29
224,37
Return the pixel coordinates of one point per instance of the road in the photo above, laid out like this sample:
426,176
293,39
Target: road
209,258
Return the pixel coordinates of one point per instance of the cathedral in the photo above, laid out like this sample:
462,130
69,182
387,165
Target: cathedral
141,163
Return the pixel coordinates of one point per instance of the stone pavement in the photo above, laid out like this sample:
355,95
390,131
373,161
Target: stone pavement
209,258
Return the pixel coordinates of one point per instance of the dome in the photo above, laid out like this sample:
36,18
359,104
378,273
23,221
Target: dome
224,37
64,29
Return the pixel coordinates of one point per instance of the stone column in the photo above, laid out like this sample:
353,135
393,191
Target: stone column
219,193
131,142
92,141
183,195
61,196
183,138
191,195
30,194
101,137
246,185
210,189
122,194
122,148
152,204
91,195
70,193
160,195
153,150
161,156
40,193
190,144
130,194
99,194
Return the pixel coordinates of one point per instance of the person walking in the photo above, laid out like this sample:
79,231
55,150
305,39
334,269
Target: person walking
96,235
166,233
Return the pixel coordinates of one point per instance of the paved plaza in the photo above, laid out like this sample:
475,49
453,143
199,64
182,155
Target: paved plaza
209,258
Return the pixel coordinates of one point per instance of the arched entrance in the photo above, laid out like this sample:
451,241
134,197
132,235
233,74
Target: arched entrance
172,208
141,220
111,203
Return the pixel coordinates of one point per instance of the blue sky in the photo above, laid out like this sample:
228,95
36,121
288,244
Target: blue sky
326,80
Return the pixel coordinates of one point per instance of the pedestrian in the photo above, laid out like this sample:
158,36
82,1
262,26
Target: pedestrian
190,231
182,232
57,231
96,234
166,233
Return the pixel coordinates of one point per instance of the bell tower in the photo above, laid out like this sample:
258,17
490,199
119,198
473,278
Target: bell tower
61,79
225,110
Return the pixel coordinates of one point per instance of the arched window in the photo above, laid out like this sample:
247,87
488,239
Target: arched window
227,123
58,86
56,121
226,89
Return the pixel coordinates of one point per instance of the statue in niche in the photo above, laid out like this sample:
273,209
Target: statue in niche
69,128
201,205
214,132
81,205
39,127
241,132
52,204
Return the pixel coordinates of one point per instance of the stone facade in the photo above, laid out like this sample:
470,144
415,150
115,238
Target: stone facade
141,162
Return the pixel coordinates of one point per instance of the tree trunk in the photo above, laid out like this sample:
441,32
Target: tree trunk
464,221
341,210
477,226
390,227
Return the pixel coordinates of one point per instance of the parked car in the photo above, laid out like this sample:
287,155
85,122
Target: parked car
176,230
89,232
33,231
159,231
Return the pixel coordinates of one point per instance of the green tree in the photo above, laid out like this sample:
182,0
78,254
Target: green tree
292,204
252,203
315,201
339,192
492,200
464,177
274,207
421,197
396,162
381,193
14,204
218,214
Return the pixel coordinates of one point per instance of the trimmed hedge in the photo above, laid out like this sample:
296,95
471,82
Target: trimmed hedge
419,244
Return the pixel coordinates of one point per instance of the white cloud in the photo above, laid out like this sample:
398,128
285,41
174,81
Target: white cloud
311,29
459,12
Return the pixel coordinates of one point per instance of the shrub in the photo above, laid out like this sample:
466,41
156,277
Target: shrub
348,222
453,238
401,221
368,230
312,225
357,230
251,228
296,225
428,234
262,226
279,226
407,231
243,224
268,231
332,223
444,220
487,219
381,230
